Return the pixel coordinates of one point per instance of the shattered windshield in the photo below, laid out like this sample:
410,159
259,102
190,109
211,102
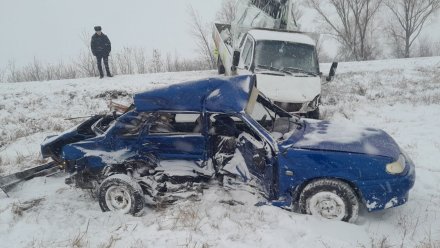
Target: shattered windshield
276,121
288,57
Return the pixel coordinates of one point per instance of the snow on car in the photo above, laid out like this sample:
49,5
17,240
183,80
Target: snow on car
173,140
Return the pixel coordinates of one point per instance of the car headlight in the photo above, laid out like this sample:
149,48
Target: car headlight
396,167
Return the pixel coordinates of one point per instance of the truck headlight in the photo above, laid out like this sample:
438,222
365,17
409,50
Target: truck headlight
313,104
396,167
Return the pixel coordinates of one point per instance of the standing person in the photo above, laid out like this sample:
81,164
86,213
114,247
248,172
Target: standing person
101,48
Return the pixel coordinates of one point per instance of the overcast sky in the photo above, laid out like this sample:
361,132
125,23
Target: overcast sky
50,29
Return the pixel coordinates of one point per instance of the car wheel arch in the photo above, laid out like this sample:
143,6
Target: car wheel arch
126,166
295,193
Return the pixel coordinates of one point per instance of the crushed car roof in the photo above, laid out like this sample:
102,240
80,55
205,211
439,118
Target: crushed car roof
225,95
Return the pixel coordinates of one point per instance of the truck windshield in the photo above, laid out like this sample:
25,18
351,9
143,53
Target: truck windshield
285,56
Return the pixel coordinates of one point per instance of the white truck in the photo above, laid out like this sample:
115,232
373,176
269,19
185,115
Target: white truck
263,41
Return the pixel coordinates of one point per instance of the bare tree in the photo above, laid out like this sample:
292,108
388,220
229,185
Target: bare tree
322,54
124,61
140,60
60,71
297,12
86,62
177,63
2,75
14,74
226,13
113,67
68,71
426,47
169,66
34,71
409,17
201,34
353,24
364,12
156,62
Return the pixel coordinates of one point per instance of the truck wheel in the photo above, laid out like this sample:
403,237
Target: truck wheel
330,199
121,194
221,67
313,114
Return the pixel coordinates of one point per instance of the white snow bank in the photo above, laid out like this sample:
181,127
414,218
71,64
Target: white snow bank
399,96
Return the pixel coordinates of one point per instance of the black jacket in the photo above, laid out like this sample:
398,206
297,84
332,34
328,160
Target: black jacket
100,45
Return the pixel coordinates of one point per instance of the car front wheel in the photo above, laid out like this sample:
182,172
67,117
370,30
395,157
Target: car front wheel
120,193
330,199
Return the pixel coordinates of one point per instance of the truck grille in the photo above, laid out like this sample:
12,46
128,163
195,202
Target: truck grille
290,107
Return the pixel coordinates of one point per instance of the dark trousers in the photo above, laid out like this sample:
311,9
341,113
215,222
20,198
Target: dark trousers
99,59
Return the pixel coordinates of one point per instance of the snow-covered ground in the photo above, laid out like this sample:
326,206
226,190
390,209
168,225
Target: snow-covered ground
400,96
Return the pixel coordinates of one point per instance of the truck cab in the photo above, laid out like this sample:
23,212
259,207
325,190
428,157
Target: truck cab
286,66
264,39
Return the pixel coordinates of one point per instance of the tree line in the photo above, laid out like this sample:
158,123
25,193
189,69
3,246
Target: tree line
364,29
128,60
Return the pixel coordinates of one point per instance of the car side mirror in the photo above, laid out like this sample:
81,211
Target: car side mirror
235,60
332,72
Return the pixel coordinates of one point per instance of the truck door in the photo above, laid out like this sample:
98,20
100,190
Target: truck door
246,54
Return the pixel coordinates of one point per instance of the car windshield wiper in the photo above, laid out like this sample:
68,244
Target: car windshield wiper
268,67
294,69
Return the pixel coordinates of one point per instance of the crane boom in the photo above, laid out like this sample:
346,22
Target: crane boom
273,14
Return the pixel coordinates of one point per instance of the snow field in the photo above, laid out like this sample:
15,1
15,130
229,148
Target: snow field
401,97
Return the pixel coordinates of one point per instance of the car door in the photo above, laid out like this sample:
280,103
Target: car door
125,134
258,159
176,138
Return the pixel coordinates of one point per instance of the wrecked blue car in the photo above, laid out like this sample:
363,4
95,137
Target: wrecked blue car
173,140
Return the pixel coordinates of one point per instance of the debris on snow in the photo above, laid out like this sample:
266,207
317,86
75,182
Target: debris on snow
19,208
113,94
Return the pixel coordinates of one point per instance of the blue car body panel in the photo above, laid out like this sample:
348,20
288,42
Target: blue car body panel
369,141
316,150
56,142
171,147
365,173
212,95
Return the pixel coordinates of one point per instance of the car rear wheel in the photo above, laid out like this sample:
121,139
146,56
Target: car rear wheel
330,199
120,193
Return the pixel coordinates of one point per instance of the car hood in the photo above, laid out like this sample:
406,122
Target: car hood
343,137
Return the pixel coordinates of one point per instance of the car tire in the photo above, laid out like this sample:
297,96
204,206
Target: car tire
120,193
330,199
221,67
315,114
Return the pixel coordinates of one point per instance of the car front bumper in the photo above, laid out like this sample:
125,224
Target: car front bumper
384,194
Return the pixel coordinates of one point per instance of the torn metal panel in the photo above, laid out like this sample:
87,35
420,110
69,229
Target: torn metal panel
8,182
